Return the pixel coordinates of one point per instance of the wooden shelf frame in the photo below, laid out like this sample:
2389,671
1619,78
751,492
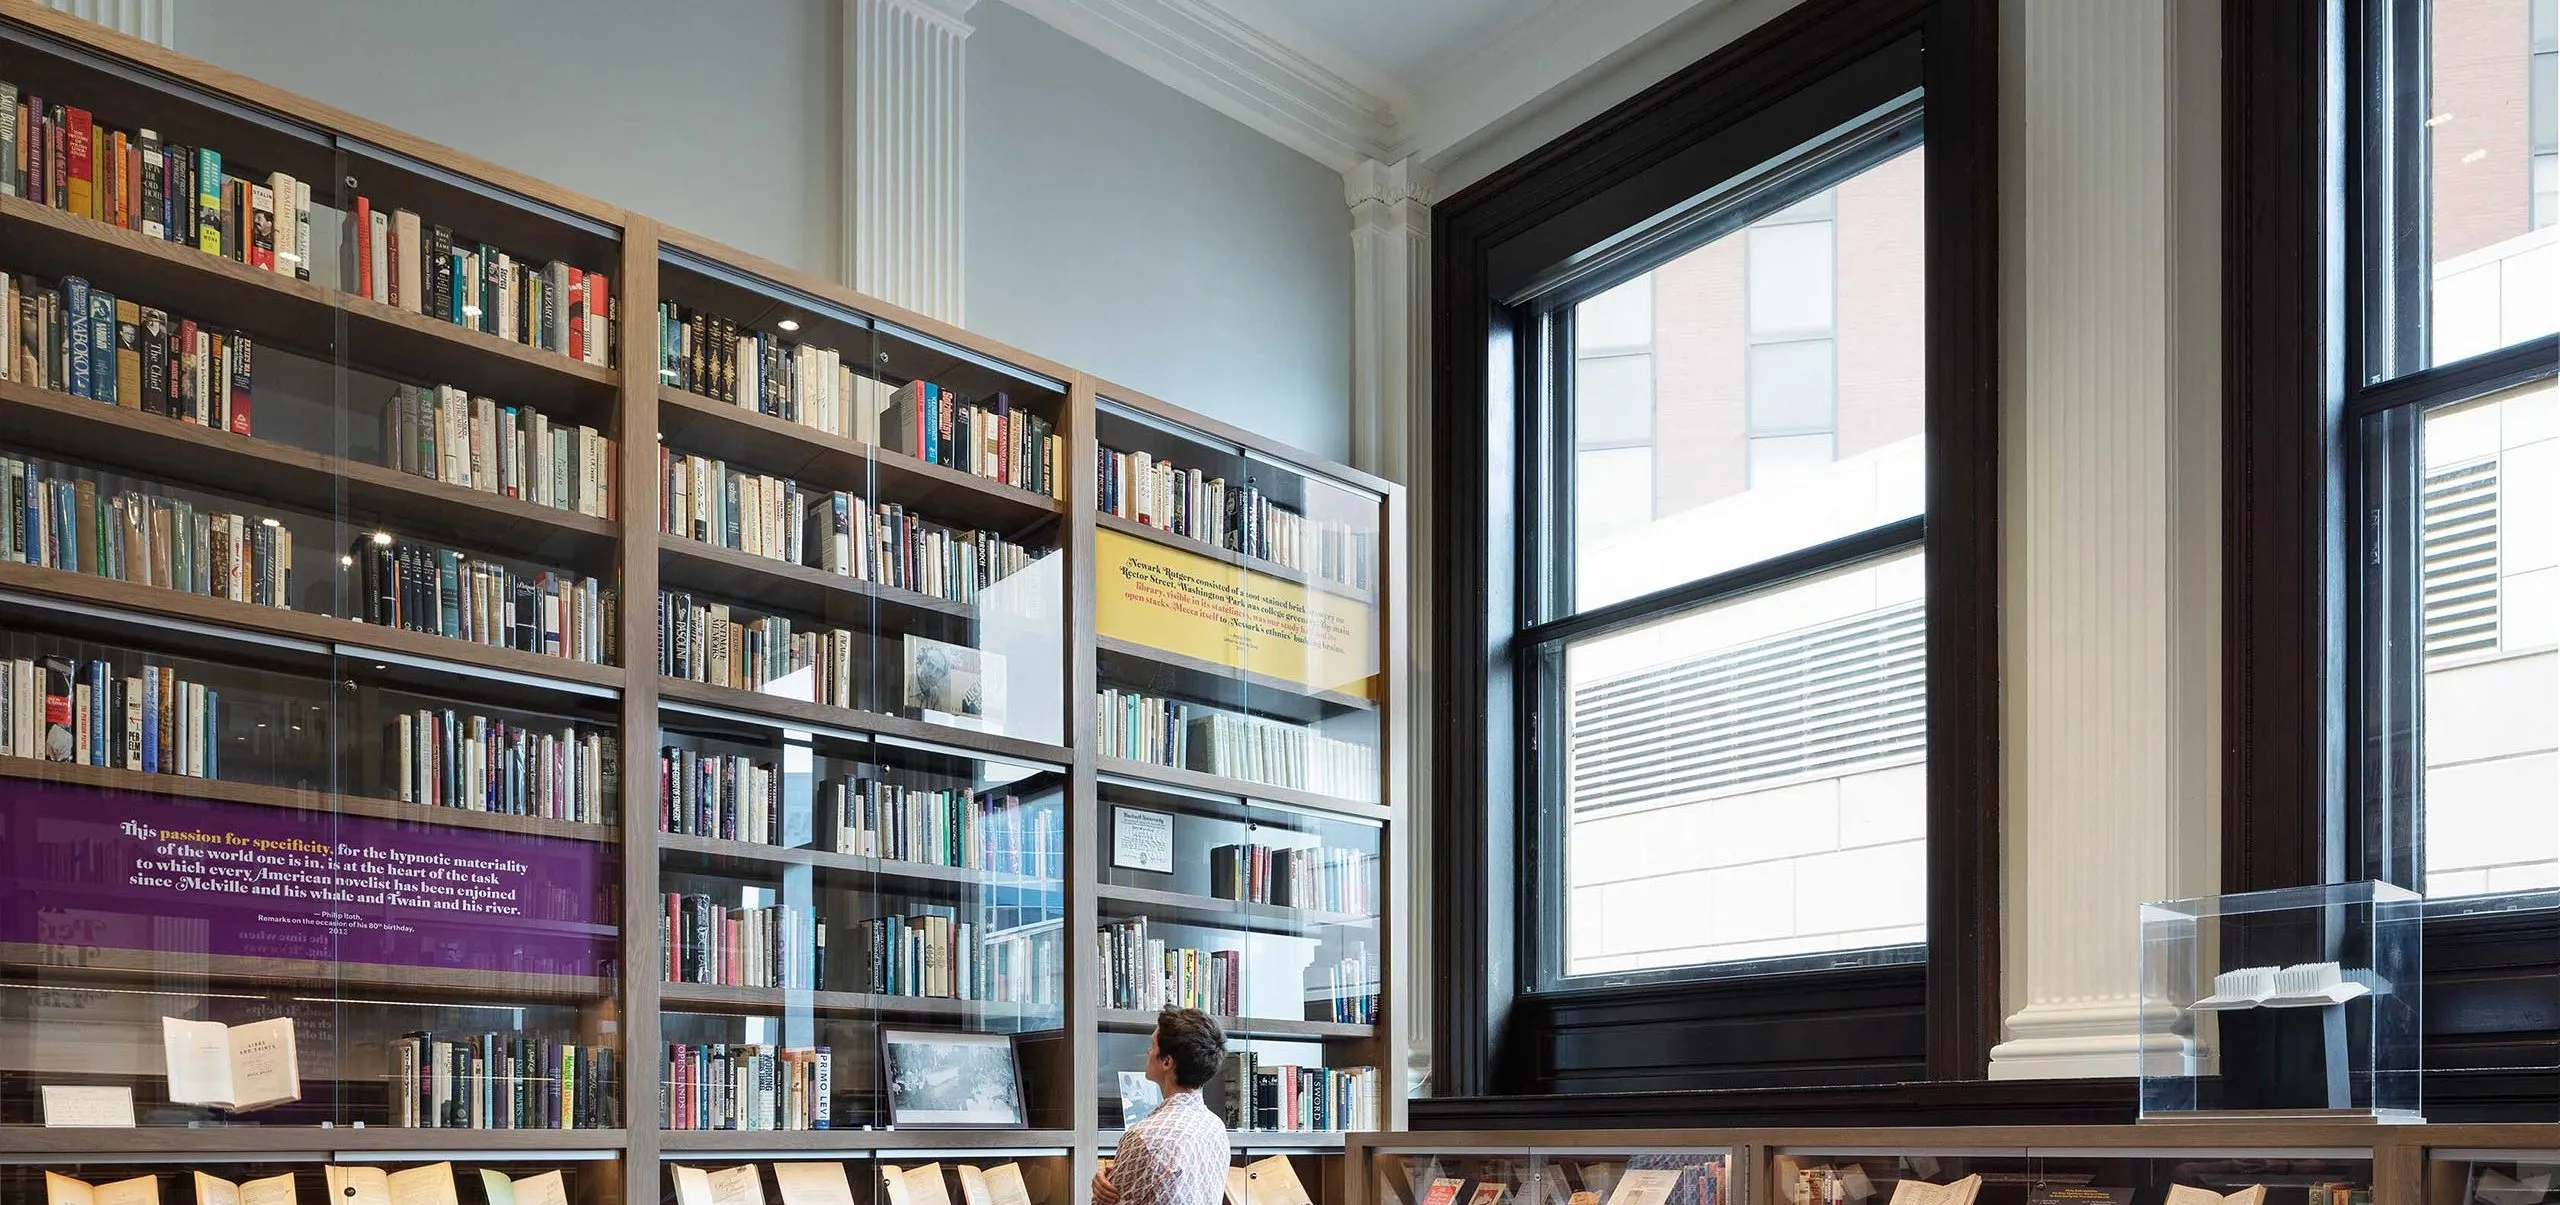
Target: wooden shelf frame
315,319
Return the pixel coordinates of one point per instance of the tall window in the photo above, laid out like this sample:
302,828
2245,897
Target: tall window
1730,669
2456,434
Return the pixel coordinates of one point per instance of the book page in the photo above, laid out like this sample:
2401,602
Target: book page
693,1186
2184,1194
358,1185
214,1190
812,1184
1005,1186
60,1189
199,1056
893,1185
265,1068
1275,1182
497,1187
738,1185
924,1186
545,1189
1645,1186
1240,1188
70,1105
274,1190
429,1185
973,1185
140,1190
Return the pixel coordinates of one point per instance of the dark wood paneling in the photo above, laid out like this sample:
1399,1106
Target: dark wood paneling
1837,1027
1937,1103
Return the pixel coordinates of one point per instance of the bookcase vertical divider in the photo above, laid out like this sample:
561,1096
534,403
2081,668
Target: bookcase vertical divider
639,619
1388,1038
1086,819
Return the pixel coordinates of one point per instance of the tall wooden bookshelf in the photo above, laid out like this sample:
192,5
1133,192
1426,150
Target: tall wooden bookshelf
1072,833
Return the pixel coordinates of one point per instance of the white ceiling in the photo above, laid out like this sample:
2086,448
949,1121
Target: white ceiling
1349,80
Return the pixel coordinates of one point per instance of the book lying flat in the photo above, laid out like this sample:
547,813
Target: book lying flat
726,1186
235,1067
2180,1194
360,1185
60,1189
545,1189
273,1190
1921,1192
813,1184
1645,1186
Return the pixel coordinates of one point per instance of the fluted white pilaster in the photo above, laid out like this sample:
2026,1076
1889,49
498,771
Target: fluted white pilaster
153,21
1390,408
2109,443
905,120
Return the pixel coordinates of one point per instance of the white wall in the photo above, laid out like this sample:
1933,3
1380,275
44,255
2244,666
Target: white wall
1135,233
731,130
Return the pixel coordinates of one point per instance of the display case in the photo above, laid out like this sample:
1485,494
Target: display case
362,1172
919,1176
1557,1175
2296,1003
2460,1176
1815,1175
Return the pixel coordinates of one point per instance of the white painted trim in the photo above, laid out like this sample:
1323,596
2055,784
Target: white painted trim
153,21
1205,53
904,158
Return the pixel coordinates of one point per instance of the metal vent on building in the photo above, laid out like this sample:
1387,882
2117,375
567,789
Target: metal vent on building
1810,702
2458,522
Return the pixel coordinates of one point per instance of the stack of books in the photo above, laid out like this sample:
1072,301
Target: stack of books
1144,972
448,435
749,1087
62,519
89,713
502,1081
407,263
455,760
774,946
89,343
60,155
726,796
1239,518
440,591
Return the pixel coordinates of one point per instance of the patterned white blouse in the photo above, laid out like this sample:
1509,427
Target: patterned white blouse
1176,1155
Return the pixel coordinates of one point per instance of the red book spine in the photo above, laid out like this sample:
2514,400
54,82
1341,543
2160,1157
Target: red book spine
577,314
79,164
599,319
239,384
364,248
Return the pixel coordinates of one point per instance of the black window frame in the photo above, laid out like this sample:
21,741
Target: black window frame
2326,376
1531,230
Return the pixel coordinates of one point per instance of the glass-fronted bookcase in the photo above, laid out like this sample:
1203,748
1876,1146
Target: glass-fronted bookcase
476,659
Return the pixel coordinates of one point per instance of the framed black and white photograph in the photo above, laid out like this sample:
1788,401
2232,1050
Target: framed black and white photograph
949,1079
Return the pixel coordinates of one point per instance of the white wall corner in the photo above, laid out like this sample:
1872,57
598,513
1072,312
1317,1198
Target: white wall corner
153,21
1198,49
1390,418
904,160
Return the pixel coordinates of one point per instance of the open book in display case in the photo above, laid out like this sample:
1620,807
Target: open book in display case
478,659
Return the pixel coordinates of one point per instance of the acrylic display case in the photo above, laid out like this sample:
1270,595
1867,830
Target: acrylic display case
1551,1175
2457,1176
2302,1003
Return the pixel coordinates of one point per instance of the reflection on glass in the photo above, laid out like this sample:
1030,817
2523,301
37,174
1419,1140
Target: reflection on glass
2494,157
1747,781
2489,518
1755,396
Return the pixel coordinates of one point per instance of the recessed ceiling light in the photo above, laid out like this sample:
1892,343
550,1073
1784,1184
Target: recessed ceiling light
789,324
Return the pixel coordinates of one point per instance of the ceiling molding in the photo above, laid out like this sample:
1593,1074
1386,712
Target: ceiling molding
1207,54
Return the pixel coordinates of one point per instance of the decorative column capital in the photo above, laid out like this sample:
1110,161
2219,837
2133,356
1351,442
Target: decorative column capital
1372,182
951,15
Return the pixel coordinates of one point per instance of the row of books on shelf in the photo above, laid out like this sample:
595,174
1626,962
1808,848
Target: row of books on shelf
1288,1098
700,640
420,587
443,758
710,356
90,713
1239,518
1351,987
719,1086
408,263
1168,732
60,156
773,946
709,501
706,500
502,1081
1319,878
89,343
934,954
1140,971
446,434
61,518
955,827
